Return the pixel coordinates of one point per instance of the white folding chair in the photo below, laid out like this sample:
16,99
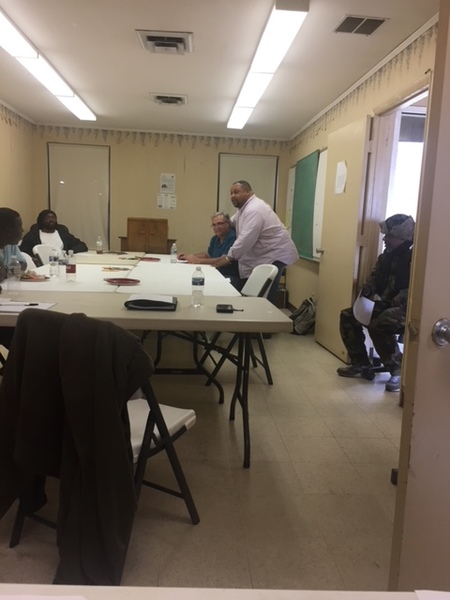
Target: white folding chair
258,286
260,281
43,252
154,428
30,263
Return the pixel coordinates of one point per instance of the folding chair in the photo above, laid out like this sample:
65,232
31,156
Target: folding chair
87,422
258,285
43,253
153,429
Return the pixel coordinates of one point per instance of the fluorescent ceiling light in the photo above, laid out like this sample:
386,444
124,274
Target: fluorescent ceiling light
78,107
12,40
281,29
254,87
47,75
239,117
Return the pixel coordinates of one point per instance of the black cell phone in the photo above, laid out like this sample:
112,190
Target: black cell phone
224,308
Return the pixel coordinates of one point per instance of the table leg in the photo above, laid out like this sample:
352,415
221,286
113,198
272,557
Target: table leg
240,393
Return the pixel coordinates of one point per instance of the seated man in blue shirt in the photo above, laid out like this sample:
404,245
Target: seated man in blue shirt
222,240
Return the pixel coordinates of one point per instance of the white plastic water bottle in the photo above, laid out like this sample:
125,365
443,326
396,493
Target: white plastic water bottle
54,263
173,253
71,267
62,263
14,271
99,245
198,285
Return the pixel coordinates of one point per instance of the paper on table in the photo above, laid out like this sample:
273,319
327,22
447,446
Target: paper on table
40,597
362,309
430,595
154,297
17,307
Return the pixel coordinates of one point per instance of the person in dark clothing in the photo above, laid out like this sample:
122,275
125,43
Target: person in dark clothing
388,287
48,231
63,413
11,232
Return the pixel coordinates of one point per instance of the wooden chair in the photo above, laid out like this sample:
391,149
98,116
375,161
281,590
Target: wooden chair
146,235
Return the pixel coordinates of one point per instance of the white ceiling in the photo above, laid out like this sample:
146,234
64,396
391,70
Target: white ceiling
93,45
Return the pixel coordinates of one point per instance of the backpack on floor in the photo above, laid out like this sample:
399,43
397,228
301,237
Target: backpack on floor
304,318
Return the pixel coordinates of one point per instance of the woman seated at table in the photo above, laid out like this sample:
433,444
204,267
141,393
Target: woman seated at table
48,231
222,240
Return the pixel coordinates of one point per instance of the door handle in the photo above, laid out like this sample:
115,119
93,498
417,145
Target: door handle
320,250
441,332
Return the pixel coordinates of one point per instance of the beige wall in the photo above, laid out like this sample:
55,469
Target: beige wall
138,158
398,79
16,163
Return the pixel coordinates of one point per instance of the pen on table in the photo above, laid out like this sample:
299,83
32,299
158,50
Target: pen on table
19,304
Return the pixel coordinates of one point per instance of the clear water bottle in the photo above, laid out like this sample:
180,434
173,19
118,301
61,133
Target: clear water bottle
71,267
198,286
14,272
173,253
62,263
99,245
54,263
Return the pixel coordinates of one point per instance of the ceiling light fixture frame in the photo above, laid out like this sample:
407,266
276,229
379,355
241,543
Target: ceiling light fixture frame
19,47
285,20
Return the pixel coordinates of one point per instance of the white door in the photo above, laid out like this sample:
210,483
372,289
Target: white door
421,545
340,262
79,189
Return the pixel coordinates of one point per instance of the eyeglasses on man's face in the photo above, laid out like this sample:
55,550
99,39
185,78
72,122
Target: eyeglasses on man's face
219,224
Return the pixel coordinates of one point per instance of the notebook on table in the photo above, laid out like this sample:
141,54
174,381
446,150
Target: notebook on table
151,302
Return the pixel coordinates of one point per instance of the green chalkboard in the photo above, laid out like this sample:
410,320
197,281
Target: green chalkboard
303,204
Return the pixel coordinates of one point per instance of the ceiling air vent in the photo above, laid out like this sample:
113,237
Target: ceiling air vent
169,100
166,42
362,25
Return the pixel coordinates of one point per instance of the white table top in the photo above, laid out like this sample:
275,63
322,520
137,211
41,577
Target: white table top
160,277
108,258
176,279
158,593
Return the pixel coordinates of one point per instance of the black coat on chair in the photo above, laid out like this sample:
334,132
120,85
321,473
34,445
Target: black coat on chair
63,413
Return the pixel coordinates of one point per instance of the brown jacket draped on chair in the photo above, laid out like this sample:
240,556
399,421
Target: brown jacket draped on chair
63,413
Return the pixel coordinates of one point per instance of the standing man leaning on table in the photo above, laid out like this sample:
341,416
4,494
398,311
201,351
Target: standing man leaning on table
11,232
261,238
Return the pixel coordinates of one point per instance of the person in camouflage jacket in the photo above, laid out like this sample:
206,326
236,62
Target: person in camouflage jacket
388,287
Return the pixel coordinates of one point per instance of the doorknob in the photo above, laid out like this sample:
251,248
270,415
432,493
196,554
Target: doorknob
320,250
441,332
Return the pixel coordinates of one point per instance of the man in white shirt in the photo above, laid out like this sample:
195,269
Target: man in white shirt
261,238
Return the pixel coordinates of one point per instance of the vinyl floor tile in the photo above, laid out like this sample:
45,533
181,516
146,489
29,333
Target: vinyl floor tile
313,511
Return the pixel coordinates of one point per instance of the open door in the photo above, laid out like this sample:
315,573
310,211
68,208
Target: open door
421,541
343,236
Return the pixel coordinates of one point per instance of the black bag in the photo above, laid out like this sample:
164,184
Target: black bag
304,318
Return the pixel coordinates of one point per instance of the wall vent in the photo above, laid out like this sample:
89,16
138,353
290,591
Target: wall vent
166,42
169,99
362,25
